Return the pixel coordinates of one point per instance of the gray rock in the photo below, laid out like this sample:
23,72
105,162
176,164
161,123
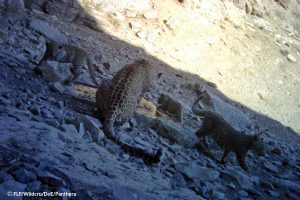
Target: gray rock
54,71
5,177
270,167
4,101
178,180
24,176
218,195
273,194
291,58
176,133
170,106
243,193
286,183
81,130
242,179
33,186
194,171
266,185
57,87
11,186
276,151
49,31
35,111
51,179
93,126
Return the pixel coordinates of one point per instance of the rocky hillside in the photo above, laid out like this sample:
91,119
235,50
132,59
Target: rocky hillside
242,56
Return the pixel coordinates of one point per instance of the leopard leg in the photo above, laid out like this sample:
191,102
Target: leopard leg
241,161
225,154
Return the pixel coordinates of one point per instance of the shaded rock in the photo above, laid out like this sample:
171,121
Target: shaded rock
218,195
273,194
170,106
242,179
266,185
243,193
57,87
93,126
5,177
174,132
51,179
12,186
194,171
54,71
284,3
286,183
291,58
177,180
270,167
276,151
24,176
49,31
33,186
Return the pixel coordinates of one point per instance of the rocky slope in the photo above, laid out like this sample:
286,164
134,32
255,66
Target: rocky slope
243,56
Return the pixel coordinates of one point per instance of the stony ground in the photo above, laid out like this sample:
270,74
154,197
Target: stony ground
245,59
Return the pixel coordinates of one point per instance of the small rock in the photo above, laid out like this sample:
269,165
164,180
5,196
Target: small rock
49,31
243,193
81,130
194,171
125,125
4,101
24,176
291,58
51,179
266,185
273,194
35,111
276,151
57,87
241,178
218,195
270,167
5,177
59,104
33,186
135,25
177,180
150,14
141,34
93,126
176,133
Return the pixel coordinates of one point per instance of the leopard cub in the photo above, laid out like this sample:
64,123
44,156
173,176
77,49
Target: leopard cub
228,138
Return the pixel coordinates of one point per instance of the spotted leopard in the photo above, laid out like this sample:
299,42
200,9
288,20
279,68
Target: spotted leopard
117,99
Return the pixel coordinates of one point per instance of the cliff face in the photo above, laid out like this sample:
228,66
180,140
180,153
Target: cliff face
241,56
